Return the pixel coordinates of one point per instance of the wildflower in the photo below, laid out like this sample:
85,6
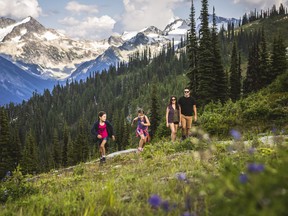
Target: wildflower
155,201
235,134
243,178
181,176
165,206
255,168
186,214
274,130
252,150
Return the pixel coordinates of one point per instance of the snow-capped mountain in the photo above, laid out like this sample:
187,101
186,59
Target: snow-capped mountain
52,55
129,42
46,54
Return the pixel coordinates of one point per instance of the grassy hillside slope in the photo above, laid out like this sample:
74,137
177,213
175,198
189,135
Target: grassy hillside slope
166,179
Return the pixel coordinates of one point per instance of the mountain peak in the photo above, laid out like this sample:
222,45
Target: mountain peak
13,29
4,22
152,29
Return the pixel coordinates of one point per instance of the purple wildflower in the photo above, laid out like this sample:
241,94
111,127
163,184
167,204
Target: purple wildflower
186,214
252,150
155,201
255,168
235,134
243,178
274,130
181,176
165,206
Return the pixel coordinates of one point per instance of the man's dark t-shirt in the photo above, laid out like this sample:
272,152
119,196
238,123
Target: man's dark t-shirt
187,104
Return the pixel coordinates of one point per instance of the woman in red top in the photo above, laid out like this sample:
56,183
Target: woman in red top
102,129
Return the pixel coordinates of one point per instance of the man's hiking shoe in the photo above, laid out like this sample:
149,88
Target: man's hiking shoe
183,138
140,149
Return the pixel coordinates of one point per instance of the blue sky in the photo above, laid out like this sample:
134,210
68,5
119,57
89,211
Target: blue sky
98,19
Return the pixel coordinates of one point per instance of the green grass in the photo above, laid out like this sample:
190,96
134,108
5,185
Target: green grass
208,184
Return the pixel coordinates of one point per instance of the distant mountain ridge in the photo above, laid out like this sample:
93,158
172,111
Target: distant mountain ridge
49,55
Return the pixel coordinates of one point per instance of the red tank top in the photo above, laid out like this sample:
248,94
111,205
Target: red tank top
102,130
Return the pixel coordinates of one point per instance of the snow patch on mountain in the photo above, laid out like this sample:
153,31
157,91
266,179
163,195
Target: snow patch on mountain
6,30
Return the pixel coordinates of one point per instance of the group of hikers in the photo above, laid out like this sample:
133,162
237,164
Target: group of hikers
178,114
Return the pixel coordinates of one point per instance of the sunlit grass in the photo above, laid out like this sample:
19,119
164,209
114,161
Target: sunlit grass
194,177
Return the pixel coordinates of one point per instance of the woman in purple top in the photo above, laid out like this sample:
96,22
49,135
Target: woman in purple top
142,128
173,113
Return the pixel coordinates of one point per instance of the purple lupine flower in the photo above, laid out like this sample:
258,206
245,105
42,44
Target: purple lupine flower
255,168
155,201
243,178
181,176
235,134
186,214
252,150
165,206
274,130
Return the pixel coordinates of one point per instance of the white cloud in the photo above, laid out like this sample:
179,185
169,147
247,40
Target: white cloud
142,13
92,28
76,7
260,4
19,9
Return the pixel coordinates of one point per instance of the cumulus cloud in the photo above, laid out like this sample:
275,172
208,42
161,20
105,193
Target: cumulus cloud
142,13
19,9
76,7
260,4
92,28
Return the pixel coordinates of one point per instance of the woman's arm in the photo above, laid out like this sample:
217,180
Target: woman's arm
134,121
147,121
167,113
179,115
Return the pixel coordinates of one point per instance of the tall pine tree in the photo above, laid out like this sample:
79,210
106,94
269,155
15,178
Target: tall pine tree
155,112
192,53
278,59
235,79
4,143
206,87
264,64
220,91
30,158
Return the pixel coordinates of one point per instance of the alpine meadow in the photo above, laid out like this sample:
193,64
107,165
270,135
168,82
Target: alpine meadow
234,161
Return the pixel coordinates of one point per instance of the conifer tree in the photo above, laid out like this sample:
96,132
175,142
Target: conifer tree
252,82
235,82
278,59
118,127
125,136
56,149
206,76
15,148
30,157
65,145
83,138
70,153
155,112
264,65
4,144
192,53
220,91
